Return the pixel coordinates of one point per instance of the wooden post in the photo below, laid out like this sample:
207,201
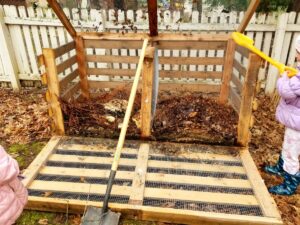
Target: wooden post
82,67
245,115
147,94
53,91
152,12
7,55
227,73
248,15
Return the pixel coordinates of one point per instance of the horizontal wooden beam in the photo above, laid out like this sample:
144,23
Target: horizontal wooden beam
113,44
69,93
63,83
64,49
243,51
239,67
212,45
66,64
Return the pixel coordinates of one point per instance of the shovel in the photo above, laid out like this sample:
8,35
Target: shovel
103,216
247,42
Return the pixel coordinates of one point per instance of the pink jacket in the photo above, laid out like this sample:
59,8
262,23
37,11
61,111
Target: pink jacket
13,195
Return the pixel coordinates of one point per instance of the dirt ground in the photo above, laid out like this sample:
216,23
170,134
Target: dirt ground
25,128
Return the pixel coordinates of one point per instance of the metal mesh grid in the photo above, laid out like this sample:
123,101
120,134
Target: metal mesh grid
78,196
88,165
196,173
202,188
99,154
204,206
76,179
186,160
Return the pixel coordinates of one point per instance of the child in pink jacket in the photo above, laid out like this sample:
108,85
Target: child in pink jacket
13,195
288,113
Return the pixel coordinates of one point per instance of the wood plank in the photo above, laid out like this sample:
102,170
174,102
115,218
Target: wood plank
63,83
139,179
235,100
248,15
160,37
52,186
70,92
239,67
83,172
147,92
192,60
152,13
150,213
154,177
243,51
266,202
247,98
82,67
62,17
90,159
53,92
113,44
237,82
112,59
111,72
39,161
64,49
190,74
227,73
213,45
208,197
66,64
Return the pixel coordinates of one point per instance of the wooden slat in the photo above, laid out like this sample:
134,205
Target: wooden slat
82,67
113,44
190,74
240,68
267,204
64,49
67,79
191,60
208,197
111,72
48,186
39,161
235,100
90,159
243,51
112,59
237,83
227,73
248,15
69,93
83,172
209,181
93,148
66,64
247,98
139,179
62,16
214,45
160,37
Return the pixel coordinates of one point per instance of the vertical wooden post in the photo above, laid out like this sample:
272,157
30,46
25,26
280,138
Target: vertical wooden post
152,12
7,54
227,73
245,115
147,92
53,91
82,67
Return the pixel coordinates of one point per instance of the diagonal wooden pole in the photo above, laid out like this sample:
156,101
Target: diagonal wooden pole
152,12
248,15
62,17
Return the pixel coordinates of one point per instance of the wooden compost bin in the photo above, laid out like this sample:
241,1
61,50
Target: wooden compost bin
201,184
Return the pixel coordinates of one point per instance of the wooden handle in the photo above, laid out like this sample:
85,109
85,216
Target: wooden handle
248,15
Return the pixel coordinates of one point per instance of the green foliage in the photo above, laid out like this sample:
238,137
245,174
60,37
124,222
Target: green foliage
242,5
33,218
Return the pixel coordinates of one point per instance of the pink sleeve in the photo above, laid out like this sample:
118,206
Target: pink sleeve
284,87
9,168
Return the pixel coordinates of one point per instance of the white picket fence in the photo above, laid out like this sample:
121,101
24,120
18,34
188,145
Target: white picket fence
25,31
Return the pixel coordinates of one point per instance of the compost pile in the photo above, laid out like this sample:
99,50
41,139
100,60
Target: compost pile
187,118
265,147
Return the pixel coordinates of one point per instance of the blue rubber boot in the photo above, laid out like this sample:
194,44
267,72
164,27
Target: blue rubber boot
277,169
289,185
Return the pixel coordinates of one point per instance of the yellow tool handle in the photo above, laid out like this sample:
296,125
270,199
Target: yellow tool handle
247,42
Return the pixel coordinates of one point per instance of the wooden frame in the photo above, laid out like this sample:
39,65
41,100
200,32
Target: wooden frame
144,160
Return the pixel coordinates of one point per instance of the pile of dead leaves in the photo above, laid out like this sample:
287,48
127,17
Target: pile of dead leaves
23,116
265,146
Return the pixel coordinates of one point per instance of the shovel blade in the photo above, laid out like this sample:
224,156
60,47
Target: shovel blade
94,216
